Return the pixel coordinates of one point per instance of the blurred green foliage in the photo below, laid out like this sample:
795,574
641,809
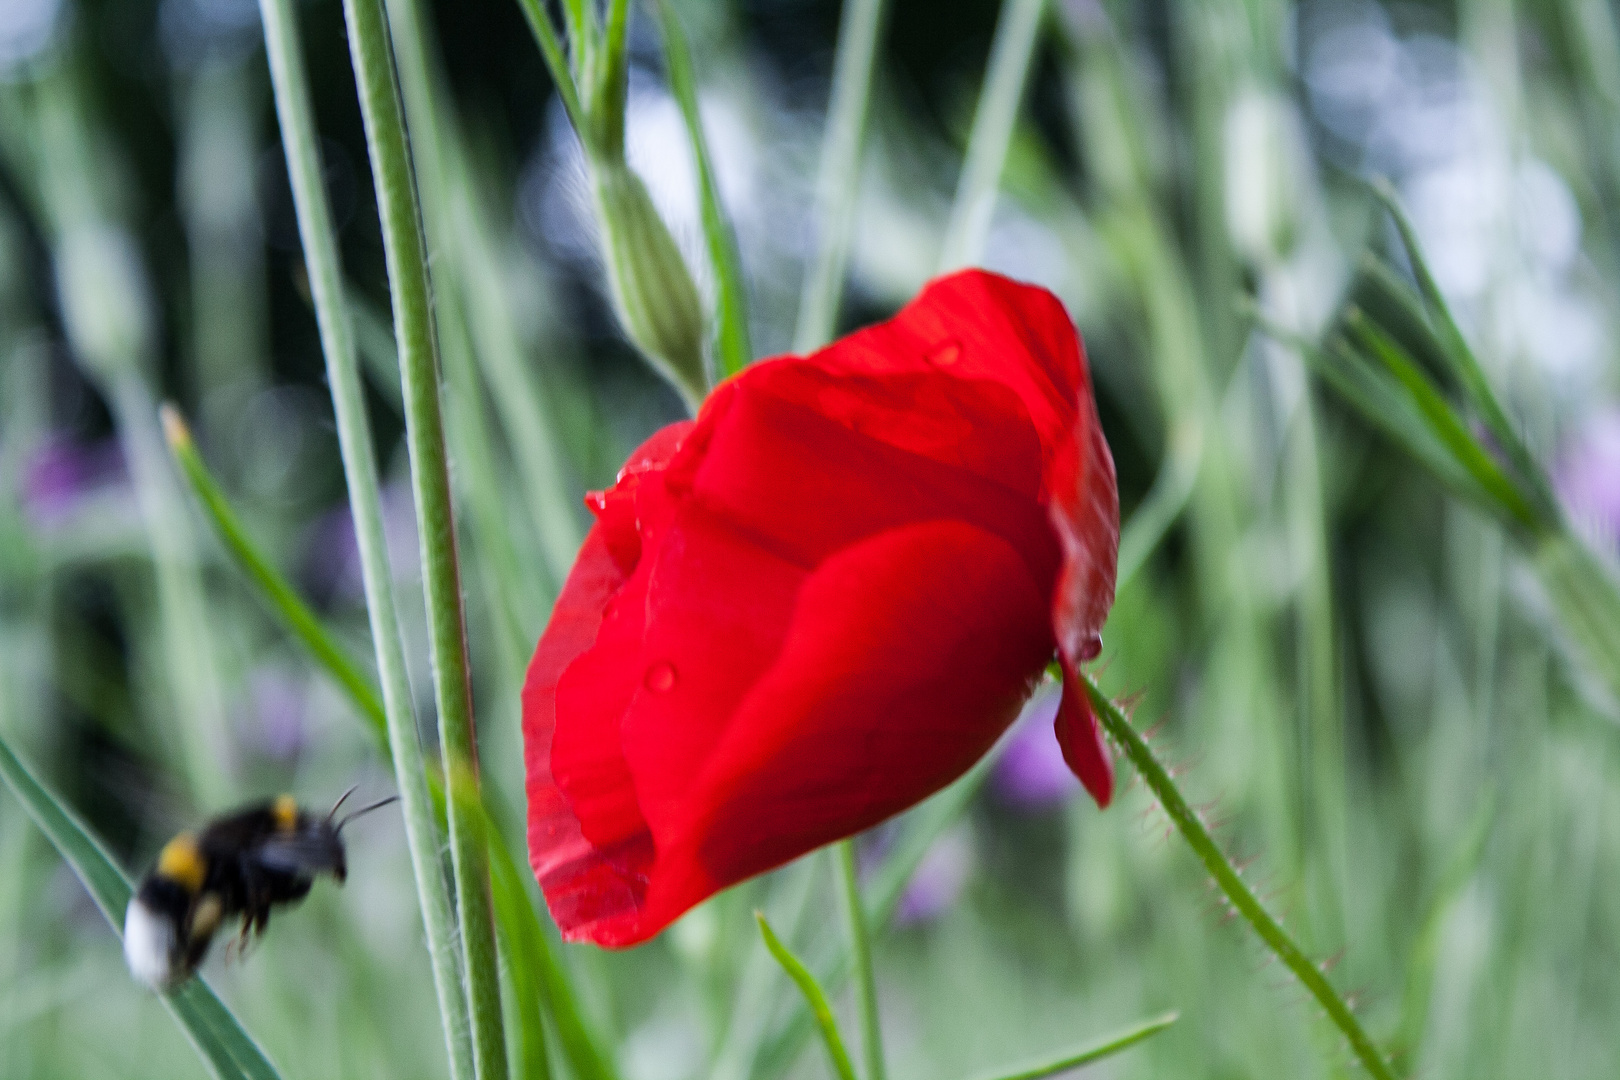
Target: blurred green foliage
1364,675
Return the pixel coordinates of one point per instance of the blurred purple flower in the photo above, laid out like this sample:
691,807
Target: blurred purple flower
938,882
1031,774
1588,478
61,471
279,702
332,556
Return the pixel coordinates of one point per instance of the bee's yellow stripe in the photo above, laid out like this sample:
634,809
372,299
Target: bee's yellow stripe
285,812
181,862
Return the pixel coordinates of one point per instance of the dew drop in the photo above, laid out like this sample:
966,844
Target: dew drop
1091,648
660,678
946,353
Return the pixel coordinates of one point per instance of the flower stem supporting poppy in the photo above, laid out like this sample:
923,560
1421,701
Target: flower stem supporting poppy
360,472
1231,883
993,122
403,244
860,948
839,175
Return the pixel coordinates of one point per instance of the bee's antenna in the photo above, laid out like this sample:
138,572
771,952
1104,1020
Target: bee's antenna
341,800
378,805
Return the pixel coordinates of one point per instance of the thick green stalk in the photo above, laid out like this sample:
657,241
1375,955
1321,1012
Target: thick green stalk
360,471
838,178
860,948
403,246
1231,883
993,122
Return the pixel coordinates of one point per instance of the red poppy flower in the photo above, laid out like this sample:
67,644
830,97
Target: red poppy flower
819,603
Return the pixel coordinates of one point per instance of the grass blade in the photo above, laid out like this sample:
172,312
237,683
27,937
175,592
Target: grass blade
813,996
993,122
1107,1046
230,1052
860,951
1456,350
277,593
1443,422
732,294
360,471
838,176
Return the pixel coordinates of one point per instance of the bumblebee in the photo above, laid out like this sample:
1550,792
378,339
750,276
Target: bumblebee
242,865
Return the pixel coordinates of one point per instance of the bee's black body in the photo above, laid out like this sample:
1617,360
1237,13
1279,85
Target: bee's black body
243,866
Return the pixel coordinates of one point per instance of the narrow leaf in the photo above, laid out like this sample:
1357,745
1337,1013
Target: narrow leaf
732,294
282,600
859,28
230,1052
1107,1046
1450,430
556,60
813,996
1016,33
1456,350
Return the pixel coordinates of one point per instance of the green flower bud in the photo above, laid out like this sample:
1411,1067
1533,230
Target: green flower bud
653,292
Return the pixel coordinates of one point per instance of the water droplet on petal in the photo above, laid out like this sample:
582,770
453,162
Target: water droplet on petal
1091,648
946,353
660,678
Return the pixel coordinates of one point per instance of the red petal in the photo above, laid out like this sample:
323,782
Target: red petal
908,655
1081,739
582,880
819,604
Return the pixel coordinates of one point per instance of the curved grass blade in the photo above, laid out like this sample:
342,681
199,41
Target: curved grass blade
813,996
278,595
1107,1046
1442,420
839,172
517,918
860,954
731,300
229,1050
1017,31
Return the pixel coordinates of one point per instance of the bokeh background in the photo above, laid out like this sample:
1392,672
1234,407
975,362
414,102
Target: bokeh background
1354,673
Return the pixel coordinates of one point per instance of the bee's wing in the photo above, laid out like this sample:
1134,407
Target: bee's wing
301,854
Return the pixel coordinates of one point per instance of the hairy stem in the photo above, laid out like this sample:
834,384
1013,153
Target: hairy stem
1232,884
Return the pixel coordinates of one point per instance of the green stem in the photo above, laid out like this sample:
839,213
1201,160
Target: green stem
360,471
860,948
403,245
1231,883
993,123
838,179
